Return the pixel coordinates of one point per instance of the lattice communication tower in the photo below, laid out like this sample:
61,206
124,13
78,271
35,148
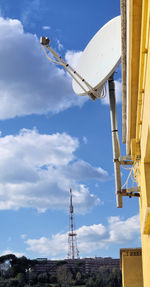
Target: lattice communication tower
73,251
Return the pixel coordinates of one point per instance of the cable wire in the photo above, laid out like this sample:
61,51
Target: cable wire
50,59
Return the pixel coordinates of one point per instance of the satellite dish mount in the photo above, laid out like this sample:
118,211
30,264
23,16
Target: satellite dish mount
96,66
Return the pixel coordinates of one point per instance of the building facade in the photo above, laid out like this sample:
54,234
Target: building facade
86,265
136,110
131,265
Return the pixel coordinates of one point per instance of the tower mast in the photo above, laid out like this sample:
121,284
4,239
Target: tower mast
73,251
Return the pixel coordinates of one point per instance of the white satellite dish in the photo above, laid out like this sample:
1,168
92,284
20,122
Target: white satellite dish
97,64
101,57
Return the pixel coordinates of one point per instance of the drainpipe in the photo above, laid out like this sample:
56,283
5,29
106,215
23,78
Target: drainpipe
124,76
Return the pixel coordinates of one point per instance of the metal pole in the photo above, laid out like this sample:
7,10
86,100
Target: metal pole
115,140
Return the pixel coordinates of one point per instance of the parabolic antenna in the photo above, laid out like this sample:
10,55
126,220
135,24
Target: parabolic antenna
101,57
97,64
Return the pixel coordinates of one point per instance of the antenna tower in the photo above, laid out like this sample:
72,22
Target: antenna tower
73,251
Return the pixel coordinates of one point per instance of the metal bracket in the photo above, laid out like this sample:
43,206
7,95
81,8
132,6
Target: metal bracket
130,192
125,160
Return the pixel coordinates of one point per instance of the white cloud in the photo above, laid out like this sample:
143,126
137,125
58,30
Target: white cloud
23,236
60,45
81,170
30,12
118,87
120,229
85,140
72,58
37,171
29,83
9,251
46,27
90,238
58,244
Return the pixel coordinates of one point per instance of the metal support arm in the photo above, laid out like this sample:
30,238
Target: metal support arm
93,93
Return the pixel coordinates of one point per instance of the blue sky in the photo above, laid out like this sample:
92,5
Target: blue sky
53,140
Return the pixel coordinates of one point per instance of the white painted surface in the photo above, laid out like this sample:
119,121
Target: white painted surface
101,56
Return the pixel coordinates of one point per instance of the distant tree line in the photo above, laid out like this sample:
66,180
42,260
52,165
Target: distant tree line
17,272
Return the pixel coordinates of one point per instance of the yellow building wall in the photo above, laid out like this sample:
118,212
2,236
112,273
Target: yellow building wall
131,271
140,144
144,175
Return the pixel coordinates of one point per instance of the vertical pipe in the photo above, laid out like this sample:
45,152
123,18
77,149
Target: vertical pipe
115,140
124,76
